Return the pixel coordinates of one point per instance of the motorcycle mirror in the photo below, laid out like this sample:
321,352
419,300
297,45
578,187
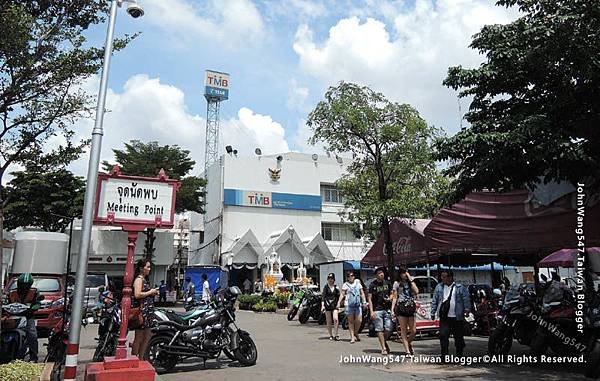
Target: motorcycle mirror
544,277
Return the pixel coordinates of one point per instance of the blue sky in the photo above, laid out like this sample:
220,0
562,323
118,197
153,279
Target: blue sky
282,56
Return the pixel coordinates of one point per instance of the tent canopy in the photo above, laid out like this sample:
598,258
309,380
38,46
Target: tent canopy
408,244
510,228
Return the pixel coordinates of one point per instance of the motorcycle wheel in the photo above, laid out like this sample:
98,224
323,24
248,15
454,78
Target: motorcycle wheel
303,316
500,341
362,325
162,363
292,314
246,353
592,367
538,343
322,318
345,323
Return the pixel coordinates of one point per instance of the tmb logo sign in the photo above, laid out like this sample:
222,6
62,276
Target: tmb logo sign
257,199
216,85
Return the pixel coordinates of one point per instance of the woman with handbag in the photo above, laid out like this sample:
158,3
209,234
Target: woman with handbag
142,306
331,295
404,307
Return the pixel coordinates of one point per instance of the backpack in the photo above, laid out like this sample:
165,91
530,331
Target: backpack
353,296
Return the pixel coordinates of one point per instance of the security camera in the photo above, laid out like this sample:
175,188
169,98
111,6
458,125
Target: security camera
135,10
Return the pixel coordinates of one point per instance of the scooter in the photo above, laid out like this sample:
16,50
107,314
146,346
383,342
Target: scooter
13,343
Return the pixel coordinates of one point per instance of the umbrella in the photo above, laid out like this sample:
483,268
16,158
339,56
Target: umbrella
565,257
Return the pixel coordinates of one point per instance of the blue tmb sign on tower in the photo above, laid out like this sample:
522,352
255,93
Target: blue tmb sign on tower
273,200
216,85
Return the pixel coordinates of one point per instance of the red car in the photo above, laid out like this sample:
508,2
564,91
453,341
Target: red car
52,287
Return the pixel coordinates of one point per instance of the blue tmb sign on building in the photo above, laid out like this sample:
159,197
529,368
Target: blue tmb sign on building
272,200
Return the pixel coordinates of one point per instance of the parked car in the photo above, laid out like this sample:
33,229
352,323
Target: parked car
52,287
93,281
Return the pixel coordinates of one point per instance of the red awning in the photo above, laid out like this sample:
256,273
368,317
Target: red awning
408,242
510,227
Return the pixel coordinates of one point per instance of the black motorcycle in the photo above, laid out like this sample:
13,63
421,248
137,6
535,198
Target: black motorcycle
592,321
13,343
206,338
515,321
310,307
108,329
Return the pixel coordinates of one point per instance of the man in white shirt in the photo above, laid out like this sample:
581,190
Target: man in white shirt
452,320
206,294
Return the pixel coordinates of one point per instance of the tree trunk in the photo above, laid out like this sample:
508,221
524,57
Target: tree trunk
389,249
149,244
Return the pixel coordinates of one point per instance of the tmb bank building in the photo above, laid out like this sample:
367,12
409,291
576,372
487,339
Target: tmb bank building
285,203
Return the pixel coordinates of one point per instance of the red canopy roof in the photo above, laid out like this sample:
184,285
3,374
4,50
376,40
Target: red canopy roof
408,242
508,224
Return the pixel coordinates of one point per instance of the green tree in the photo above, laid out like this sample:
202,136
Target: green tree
147,159
43,199
44,58
393,172
536,105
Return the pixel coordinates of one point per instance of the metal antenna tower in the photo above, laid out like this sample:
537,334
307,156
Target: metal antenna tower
216,89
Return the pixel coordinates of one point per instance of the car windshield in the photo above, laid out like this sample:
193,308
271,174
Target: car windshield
95,280
41,284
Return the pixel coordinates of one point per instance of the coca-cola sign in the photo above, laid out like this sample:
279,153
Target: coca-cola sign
401,246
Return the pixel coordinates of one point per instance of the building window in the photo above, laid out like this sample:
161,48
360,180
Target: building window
331,194
337,232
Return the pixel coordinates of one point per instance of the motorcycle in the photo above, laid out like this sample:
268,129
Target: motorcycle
344,319
592,321
310,307
296,304
557,329
108,327
514,321
485,314
205,338
13,344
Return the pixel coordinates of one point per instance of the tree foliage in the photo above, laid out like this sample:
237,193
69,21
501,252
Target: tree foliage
393,172
44,199
147,159
535,113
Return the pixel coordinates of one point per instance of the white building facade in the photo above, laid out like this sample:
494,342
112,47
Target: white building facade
285,203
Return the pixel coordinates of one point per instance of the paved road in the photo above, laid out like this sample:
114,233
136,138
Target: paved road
290,351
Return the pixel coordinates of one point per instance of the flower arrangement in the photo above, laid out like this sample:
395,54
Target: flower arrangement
270,282
20,371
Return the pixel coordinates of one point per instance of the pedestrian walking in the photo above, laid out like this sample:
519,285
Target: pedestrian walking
380,304
162,292
331,296
353,295
451,302
144,301
404,307
247,286
206,294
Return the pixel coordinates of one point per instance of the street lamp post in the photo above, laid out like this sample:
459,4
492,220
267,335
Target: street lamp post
90,193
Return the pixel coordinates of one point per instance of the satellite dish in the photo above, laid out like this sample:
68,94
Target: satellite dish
258,151
315,157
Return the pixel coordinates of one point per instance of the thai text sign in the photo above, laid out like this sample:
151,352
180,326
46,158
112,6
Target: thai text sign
128,199
216,85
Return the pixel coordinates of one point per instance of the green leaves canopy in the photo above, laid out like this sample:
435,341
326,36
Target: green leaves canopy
393,172
536,100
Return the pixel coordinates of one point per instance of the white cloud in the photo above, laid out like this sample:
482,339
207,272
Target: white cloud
297,96
408,61
149,110
303,133
230,22
302,9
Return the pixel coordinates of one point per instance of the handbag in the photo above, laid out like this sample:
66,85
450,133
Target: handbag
445,307
405,307
136,319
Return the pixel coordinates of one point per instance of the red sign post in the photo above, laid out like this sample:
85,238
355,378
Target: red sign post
134,203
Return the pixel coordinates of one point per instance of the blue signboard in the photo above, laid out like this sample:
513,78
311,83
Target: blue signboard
215,92
272,200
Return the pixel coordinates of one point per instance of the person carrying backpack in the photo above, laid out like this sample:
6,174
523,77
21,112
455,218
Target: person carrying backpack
354,296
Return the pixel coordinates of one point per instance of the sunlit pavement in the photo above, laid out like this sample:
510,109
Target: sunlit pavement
292,351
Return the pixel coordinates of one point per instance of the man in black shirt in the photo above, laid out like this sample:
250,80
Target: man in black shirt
380,303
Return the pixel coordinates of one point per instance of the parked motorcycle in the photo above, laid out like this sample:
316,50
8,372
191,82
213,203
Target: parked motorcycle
208,336
592,321
13,343
310,307
485,314
296,304
514,322
108,327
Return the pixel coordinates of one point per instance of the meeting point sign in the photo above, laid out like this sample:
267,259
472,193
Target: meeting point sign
135,200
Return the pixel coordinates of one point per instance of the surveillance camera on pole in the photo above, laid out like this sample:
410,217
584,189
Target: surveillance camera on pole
133,8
